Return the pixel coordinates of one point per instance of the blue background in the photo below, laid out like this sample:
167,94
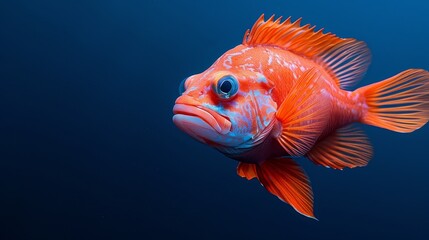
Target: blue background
88,149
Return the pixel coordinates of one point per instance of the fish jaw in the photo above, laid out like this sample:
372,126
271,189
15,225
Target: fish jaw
216,121
203,124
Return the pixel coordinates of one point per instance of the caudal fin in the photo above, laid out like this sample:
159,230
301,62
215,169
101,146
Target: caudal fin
399,103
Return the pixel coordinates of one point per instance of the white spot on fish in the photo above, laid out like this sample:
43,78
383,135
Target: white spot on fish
228,61
270,60
261,79
248,66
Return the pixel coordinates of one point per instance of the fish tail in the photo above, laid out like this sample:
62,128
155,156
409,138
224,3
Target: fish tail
399,103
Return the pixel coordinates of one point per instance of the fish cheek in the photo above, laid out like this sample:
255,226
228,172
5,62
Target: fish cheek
264,108
239,113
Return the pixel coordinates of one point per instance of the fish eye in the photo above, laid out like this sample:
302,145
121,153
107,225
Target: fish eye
182,87
226,87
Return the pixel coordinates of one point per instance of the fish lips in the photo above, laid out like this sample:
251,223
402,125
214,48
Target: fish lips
201,123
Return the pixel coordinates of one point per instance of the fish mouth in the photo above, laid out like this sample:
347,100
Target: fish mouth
188,116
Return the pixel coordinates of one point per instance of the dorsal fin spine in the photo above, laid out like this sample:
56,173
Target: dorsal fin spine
266,32
270,30
245,35
255,26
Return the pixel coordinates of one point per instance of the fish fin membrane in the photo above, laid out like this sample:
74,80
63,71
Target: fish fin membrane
347,147
285,179
345,59
247,170
399,103
302,114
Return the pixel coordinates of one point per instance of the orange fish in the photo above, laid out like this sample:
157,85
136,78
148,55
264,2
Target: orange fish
281,94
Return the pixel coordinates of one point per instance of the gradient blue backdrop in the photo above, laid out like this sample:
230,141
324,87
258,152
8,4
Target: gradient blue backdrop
88,149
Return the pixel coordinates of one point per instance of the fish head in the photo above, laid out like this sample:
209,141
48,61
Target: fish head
231,110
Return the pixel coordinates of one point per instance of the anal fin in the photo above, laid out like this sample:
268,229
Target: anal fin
346,147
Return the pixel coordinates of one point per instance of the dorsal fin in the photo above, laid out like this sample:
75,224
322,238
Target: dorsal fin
345,59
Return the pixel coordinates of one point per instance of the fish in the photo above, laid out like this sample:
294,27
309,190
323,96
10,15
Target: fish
285,94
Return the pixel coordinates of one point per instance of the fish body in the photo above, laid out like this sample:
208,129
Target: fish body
282,94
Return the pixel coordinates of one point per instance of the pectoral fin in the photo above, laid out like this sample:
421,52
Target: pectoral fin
302,114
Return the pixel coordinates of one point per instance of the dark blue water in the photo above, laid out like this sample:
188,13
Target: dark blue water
88,149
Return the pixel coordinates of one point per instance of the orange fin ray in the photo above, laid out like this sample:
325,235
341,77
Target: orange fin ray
347,147
347,62
346,59
302,115
285,179
399,103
